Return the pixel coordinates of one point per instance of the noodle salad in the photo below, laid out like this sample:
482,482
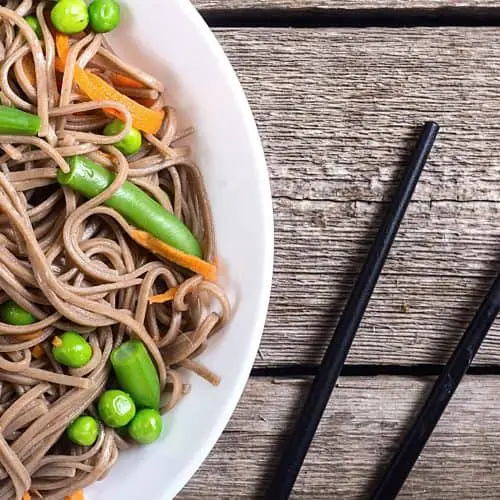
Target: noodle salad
107,261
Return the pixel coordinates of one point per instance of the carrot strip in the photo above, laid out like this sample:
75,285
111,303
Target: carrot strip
195,264
77,495
97,89
59,65
146,102
168,296
29,68
28,336
62,46
57,341
38,352
125,81
27,496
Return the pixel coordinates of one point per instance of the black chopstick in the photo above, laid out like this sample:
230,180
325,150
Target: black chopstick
336,354
441,394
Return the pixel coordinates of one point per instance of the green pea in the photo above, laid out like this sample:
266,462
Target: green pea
131,143
146,426
83,431
11,313
71,349
70,16
116,408
104,15
34,25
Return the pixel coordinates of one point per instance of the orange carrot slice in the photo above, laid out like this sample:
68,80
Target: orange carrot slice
168,296
38,352
77,495
195,264
125,81
96,89
60,65
29,69
28,336
62,46
146,102
27,496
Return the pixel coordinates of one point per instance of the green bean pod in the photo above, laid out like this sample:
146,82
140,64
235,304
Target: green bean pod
136,374
133,203
13,121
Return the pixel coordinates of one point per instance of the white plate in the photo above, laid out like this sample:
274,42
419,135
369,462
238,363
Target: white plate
169,39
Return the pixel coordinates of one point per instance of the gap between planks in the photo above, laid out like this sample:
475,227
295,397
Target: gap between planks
421,370
340,4
279,18
358,433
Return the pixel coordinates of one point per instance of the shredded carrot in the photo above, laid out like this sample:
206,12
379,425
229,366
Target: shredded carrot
146,102
195,264
164,297
27,496
60,65
62,46
97,89
29,68
38,352
28,336
57,342
77,495
125,81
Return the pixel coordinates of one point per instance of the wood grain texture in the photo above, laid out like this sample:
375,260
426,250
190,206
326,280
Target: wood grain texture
338,111
358,434
342,4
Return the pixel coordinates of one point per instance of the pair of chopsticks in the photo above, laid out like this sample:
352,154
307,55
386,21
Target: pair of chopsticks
336,353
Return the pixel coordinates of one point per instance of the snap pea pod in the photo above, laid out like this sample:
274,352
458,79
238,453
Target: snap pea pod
133,203
13,121
136,374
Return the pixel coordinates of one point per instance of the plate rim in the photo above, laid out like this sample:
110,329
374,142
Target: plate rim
256,333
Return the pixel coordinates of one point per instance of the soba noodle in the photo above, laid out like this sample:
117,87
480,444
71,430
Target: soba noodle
71,263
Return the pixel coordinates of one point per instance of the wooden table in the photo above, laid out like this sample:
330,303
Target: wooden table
338,98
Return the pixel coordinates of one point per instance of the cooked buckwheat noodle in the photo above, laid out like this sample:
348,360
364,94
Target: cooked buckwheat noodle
71,262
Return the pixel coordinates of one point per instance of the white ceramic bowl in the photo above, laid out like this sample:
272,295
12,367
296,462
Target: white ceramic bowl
170,39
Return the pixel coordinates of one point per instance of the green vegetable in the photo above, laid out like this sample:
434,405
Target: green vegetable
104,15
83,431
11,313
116,408
34,25
13,121
71,349
135,205
136,373
70,16
146,426
131,143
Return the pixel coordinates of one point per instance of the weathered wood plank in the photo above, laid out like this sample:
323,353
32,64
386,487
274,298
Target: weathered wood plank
342,4
433,280
337,111
358,434
337,108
